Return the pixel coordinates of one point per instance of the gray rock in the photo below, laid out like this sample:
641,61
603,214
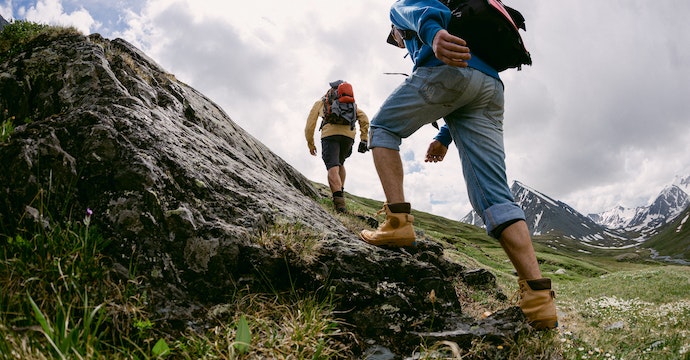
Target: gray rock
3,22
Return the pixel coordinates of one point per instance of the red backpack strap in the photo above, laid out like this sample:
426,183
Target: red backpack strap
498,5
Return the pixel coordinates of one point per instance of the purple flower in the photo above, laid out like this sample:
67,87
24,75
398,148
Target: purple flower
87,218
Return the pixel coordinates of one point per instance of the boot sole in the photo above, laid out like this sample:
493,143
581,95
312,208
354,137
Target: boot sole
544,324
391,242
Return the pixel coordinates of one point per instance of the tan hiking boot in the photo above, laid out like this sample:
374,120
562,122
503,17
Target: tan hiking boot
396,231
339,204
536,302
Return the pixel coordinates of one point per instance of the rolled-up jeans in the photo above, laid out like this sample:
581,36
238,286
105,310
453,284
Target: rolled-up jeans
471,103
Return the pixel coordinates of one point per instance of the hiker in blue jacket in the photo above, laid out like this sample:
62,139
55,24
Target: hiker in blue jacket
450,82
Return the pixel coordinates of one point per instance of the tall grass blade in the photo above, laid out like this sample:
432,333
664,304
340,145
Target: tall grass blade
48,331
243,337
161,349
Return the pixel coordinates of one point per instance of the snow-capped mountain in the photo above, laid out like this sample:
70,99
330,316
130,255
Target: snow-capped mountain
683,183
615,218
617,227
473,218
665,208
546,215
647,220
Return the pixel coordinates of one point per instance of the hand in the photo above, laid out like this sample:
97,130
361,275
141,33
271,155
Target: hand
312,151
436,152
362,147
450,49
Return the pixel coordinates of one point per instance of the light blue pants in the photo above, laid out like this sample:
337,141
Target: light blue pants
471,104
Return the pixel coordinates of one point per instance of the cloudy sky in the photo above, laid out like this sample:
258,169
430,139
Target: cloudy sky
599,120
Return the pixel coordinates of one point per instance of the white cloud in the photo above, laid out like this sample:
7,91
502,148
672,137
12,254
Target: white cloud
6,11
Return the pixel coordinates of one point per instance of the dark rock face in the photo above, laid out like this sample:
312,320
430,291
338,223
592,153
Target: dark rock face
3,22
182,192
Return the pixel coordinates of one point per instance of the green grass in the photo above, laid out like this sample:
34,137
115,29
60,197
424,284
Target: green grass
6,128
675,240
59,302
15,37
641,314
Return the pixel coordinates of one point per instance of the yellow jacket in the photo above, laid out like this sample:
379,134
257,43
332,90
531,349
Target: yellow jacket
332,129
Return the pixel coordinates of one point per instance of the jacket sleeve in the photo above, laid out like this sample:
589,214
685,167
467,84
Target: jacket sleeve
311,124
425,17
363,121
443,135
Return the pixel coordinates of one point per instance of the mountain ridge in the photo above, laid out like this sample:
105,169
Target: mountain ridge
674,196
618,227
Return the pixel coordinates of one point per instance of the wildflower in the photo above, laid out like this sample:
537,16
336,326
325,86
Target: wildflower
432,296
87,218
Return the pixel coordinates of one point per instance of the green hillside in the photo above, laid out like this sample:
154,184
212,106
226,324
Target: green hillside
674,240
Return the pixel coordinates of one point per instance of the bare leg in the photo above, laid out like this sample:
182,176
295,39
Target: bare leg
334,180
389,167
536,294
397,230
516,242
342,174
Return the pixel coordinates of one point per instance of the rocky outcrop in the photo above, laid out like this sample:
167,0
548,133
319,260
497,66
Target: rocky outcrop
184,194
3,22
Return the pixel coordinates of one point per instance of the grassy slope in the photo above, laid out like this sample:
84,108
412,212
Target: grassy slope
612,303
675,239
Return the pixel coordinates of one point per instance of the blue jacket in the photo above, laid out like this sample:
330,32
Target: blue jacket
426,18
443,136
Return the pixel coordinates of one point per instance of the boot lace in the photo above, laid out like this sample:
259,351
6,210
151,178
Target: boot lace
515,299
517,296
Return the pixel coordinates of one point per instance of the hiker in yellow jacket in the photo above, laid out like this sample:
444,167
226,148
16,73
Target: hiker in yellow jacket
337,141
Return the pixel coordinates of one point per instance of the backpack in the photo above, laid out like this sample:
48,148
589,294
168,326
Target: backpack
491,31
339,106
489,28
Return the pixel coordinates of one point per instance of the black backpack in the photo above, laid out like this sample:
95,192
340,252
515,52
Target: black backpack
491,31
489,28
339,106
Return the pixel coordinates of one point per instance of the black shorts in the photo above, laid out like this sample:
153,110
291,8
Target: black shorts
335,149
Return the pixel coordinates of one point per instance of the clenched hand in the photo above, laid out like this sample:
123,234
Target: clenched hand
436,152
450,49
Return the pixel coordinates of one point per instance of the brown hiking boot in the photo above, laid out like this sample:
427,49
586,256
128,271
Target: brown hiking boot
536,302
339,204
396,231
